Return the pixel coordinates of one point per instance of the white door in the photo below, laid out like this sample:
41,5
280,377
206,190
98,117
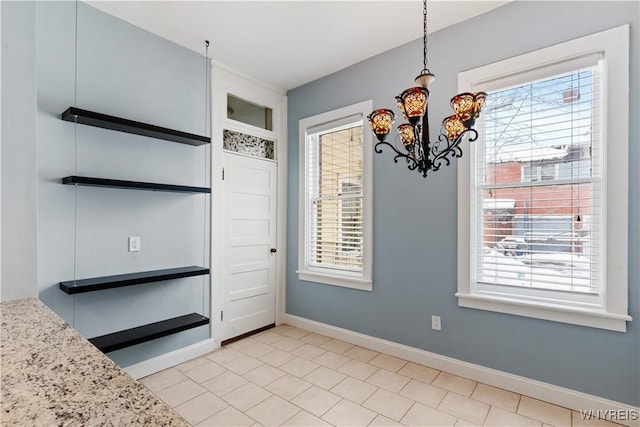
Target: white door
249,237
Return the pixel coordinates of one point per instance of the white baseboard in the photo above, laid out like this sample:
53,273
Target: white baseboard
560,396
159,363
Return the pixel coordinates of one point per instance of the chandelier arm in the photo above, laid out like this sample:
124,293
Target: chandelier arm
452,149
474,136
412,163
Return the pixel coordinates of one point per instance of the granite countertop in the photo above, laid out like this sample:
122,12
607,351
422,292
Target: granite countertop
51,376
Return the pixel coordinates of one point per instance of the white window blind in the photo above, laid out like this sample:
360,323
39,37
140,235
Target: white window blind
335,196
538,196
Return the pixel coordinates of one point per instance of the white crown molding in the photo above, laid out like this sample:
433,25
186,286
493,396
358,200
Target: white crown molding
245,76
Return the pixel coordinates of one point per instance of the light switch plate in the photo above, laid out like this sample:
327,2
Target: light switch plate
436,324
134,243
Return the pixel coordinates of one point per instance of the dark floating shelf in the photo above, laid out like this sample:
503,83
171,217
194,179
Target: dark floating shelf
105,121
131,185
131,279
152,331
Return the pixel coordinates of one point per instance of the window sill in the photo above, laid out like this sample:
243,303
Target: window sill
334,280
575,316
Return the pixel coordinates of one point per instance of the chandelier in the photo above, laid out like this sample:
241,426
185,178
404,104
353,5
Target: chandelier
418,151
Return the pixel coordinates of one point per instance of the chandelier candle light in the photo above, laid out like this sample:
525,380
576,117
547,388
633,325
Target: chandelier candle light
420,153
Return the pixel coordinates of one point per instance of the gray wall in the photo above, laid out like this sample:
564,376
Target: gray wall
414,266
19,237
83,232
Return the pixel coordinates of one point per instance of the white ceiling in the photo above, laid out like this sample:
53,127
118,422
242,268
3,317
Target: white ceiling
288,43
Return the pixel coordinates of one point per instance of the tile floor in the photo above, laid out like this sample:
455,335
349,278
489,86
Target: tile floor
288,376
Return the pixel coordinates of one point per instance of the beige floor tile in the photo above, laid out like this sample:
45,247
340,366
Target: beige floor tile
360,353
496,397
305,419
288,387
223,384
180,393
242,364
295,333
246,397
545,412
421,415
388,380
387,362
268,337
223,355
337,346
238,345
331,360
465,423
277,357
257,349
228,417
163,379
263,375
382,421
316,400
324,377
308,351
463,407
346,413
355,390
423,393
454,383
578,420
273,412
388,404
201,407
191,364
272,375
500,418
280,328
358,369
287,344
205,371
299,367
419,372
315,339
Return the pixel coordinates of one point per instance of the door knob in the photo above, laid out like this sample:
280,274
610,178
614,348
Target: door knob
273,250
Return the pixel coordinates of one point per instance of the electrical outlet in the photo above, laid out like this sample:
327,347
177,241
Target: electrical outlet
436,324
134,243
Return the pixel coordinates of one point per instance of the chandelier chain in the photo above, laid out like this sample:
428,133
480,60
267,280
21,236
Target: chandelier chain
424,37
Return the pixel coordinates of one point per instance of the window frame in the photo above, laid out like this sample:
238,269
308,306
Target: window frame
336,277
613,45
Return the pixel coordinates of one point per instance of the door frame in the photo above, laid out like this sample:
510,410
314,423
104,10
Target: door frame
225,80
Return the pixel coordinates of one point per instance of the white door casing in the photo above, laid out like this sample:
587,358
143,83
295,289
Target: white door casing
228,81
249,235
